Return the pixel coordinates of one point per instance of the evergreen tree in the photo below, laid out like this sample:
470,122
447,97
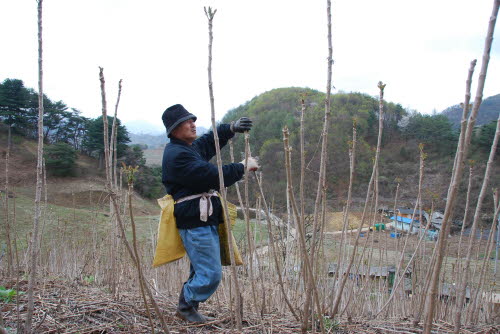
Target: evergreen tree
14,101
93,141
60,159
486,135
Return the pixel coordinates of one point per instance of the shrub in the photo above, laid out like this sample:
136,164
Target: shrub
60,159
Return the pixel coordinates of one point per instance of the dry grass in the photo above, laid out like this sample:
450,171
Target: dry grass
335,221
81,307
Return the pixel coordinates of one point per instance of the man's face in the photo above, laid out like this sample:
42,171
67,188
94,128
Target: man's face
186,131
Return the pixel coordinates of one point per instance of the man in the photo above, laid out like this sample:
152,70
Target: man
192,181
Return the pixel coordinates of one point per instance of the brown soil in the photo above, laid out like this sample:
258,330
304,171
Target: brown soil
335,221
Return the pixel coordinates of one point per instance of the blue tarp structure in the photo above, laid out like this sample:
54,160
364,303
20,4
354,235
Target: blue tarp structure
404,220
403,224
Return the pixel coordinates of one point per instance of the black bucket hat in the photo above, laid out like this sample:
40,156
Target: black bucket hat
174,116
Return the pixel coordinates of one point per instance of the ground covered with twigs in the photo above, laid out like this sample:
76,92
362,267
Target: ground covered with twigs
79,307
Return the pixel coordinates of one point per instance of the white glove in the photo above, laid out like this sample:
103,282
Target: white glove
252,164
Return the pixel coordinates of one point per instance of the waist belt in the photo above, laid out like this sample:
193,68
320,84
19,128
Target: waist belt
206,208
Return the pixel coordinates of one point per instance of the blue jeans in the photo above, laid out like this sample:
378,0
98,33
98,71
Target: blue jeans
203,249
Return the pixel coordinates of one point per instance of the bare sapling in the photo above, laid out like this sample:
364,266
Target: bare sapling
130,171
477,213
410,230
323,160
114,202
339,292
302,165
239,307
466,212
307,263
18,269
324,154
457,172
112,170
114,138
397,278
484,266
345,216
34,247
420,300
274,252
456,278
245,206
107,164
250,239
10,257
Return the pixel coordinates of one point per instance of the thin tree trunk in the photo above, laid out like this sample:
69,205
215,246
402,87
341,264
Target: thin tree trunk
107,164
419,304
246,214
308,264
114,224
345,218
114,137
210,15
302,165
338,297
419,195
484,266
324,157
10,257
38,192
130,172
457,173
401,261
466,214
274,252
479,204
116,208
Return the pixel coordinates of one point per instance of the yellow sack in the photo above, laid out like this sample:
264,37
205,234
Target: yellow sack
169,246
225,258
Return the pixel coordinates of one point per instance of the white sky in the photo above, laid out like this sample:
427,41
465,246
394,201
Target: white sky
420,49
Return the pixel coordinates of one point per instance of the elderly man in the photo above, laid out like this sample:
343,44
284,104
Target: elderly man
192,181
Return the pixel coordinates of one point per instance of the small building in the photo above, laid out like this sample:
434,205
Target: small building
408,213
437,219
405,224
386,273
449,292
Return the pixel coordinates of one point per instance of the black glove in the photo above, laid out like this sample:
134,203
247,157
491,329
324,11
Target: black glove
241,125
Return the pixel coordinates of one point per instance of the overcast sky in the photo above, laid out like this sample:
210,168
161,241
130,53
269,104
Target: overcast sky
420,49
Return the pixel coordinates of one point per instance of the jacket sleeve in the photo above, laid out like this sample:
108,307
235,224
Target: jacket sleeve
205,145
200,176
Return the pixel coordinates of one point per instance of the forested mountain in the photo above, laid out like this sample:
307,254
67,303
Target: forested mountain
403,132
488,111
152,141
148,141
279,107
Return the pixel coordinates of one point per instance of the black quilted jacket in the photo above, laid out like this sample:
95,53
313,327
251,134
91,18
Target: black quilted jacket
186,170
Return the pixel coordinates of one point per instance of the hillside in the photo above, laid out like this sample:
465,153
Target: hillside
154,141
148,141
273,110
79,202
488,111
